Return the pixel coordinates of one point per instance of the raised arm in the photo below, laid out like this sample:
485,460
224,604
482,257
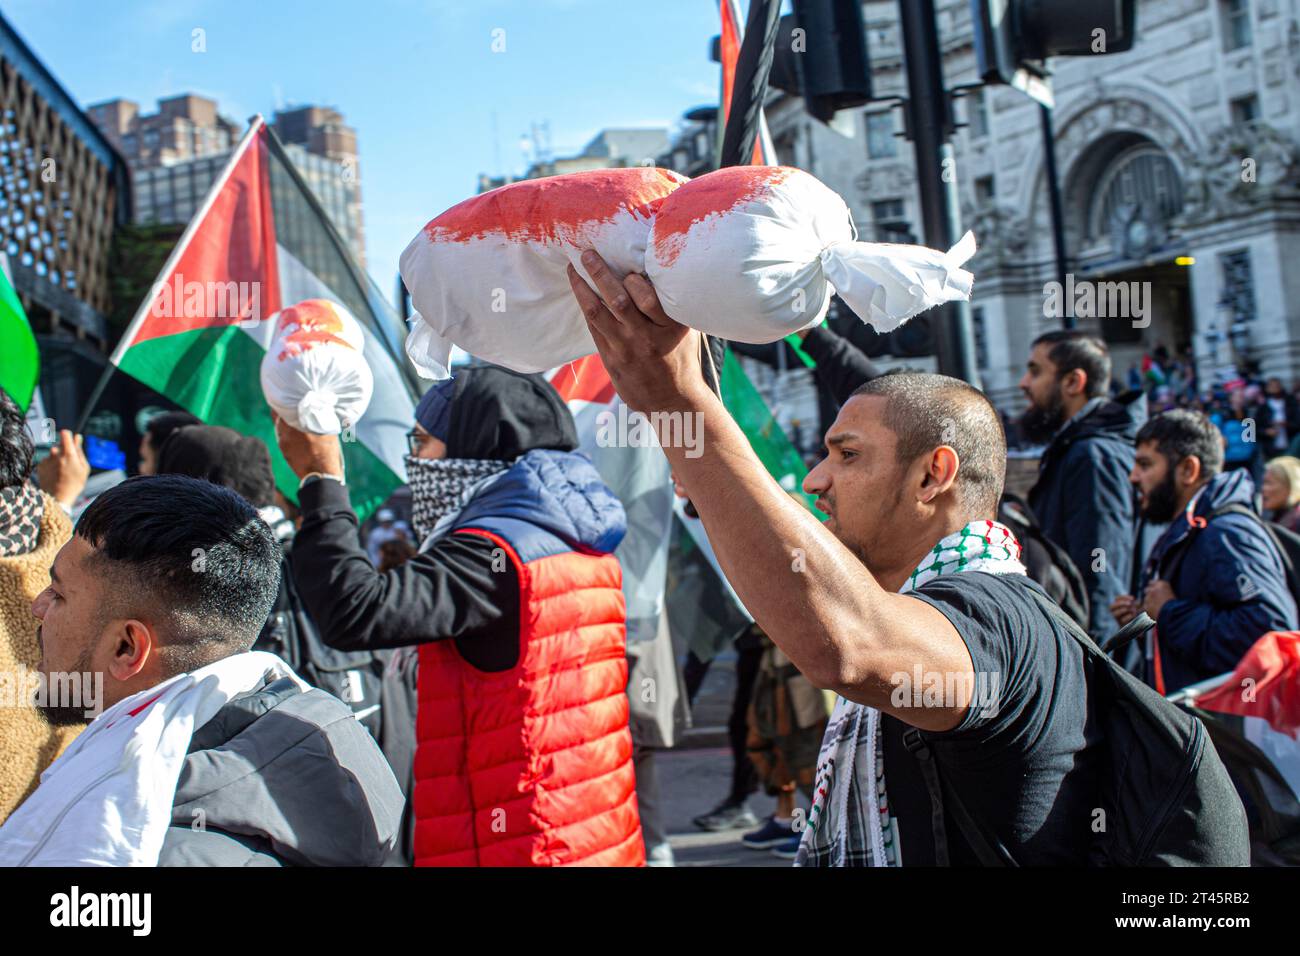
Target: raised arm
808,592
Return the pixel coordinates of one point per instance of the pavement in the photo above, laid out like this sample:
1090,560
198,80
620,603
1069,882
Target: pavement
696,775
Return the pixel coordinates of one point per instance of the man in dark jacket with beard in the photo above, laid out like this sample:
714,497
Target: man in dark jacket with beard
518,751
1082,499
1214,583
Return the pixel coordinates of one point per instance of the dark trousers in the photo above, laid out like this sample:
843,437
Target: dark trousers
744,778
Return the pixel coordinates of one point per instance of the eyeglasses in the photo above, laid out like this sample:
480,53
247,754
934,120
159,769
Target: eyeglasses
415,441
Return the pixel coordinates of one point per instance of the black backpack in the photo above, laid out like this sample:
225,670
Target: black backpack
1167,797
1045,561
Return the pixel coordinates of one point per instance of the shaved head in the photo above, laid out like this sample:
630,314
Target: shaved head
925,411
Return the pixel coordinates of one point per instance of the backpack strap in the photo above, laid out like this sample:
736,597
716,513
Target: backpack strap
988,848
1289,570
1129,632
1288,566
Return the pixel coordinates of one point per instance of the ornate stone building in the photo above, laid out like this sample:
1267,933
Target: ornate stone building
1179,167
63,189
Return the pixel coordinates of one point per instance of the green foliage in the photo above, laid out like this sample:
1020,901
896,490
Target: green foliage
136,256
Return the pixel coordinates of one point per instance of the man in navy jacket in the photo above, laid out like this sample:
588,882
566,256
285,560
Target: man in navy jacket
1082,499
1214,583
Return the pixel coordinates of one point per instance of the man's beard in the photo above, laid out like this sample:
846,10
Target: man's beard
64,714
1160,505
1038,425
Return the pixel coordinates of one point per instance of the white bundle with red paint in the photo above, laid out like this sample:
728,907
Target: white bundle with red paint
314,374
753,253
748,253
488,275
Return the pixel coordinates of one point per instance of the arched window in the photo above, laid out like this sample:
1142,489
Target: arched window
1141,184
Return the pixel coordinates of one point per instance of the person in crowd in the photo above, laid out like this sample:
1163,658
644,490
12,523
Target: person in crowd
1280,492
243,464
32,529
1284,415
710,633
515,748
787,719
206,753
912,574
734,811
1244,424
1214,582
63,473
1082,499
156,433
387,528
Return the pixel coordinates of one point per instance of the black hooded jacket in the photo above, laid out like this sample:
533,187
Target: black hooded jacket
1084,501
453,589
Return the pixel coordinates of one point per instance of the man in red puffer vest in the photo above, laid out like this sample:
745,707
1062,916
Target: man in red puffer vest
505,707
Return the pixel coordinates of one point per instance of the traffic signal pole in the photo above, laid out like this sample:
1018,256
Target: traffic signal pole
1054,200
930,125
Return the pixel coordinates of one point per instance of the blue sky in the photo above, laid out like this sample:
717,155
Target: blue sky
417,80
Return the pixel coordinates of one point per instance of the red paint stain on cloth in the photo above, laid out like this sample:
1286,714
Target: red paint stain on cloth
714,194
555,209
307,324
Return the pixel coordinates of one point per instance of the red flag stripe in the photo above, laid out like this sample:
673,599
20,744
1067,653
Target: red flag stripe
228,268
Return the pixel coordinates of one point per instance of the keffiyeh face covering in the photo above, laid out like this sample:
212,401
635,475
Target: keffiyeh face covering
442,486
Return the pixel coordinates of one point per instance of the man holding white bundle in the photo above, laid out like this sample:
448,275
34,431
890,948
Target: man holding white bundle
204,753
973,723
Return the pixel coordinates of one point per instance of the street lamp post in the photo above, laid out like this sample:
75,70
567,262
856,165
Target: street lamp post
930,126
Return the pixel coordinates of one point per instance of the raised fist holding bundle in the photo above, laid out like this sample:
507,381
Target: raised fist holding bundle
748,253
314,375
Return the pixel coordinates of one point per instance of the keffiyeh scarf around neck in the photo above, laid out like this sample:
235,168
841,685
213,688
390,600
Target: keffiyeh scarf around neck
21,510
850,823
441,487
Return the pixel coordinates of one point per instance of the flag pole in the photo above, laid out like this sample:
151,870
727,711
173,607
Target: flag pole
254,125
354,270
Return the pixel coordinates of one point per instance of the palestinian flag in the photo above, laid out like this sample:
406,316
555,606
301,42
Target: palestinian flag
586,387
260,242
19,362
730,40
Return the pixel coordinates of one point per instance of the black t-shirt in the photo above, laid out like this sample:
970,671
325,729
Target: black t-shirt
1026,759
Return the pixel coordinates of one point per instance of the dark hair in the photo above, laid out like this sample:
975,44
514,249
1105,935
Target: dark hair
161,426
1182,433
222,456
925,411
1070,350
208,566
16,446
